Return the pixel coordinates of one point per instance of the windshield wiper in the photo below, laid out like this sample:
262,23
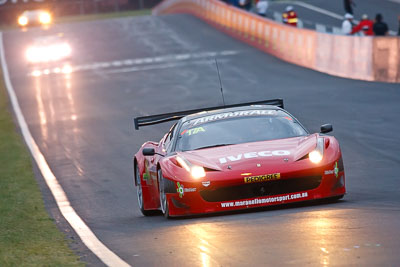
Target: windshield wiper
216,145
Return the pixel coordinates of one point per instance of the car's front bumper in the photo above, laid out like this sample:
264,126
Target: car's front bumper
190,199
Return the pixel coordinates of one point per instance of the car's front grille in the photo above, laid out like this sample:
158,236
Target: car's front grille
261,189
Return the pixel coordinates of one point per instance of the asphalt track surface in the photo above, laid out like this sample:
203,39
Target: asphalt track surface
83,124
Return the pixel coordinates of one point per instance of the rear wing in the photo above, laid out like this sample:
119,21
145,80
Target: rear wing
160,118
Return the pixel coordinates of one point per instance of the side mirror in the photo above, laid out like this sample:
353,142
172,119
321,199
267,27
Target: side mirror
326,128
148,151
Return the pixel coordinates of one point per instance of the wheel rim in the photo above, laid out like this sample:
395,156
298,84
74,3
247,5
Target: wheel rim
139,191
163,198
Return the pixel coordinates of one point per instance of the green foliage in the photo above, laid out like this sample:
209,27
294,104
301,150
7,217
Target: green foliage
28,236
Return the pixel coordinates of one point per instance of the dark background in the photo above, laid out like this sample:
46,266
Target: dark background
9,11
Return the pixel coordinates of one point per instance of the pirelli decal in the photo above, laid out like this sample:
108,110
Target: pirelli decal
262,178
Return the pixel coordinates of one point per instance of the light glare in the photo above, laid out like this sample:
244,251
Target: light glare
183,163
56,52
66,69
45,18
36,73
22,20
315,156
197,172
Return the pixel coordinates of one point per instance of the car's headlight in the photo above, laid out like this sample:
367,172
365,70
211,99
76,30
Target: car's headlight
22,21
195,171
317,154
45,18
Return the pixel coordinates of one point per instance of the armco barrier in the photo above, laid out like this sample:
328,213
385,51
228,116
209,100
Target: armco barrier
364,58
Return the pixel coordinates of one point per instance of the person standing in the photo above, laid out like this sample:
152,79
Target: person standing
262,7
380,28
348,6
347,25
289,17
365,26
398,33
245,4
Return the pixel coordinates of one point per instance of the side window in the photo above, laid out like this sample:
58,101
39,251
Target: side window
169,138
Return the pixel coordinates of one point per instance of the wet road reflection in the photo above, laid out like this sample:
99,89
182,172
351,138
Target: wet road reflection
81,117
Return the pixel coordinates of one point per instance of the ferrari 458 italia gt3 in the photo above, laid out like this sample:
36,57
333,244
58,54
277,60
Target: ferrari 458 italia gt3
235,157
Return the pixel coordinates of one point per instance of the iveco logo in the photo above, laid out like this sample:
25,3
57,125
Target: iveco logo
254,155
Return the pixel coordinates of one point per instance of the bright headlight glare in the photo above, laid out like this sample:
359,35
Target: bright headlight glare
33,54
315,156
22,20
197,172
54,52
45,18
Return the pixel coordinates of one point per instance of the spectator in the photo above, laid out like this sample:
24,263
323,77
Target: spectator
245,4
234,3
262,7
348,6
347,25
365,26
290,17
380,28
398,33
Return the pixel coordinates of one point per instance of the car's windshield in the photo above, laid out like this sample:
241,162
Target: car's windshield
236,128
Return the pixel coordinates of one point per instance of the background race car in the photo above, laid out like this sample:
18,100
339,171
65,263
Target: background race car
34,17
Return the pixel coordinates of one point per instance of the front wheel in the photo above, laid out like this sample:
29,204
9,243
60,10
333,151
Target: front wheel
163,197
139,193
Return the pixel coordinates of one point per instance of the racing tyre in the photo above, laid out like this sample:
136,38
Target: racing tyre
163,197
139,193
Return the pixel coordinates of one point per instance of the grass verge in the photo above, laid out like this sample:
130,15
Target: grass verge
111,15
28,236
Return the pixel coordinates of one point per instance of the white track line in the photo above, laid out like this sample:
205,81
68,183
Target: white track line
135,61
84,232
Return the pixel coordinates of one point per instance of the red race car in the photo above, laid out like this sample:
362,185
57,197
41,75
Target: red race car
235,157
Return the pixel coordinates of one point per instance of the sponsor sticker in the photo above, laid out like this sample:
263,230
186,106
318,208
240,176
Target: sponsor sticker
226,115
188,190
250,155
181,190
262,178
193,131
205,184
263,200
334,171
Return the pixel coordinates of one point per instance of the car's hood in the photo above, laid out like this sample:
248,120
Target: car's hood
266,152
